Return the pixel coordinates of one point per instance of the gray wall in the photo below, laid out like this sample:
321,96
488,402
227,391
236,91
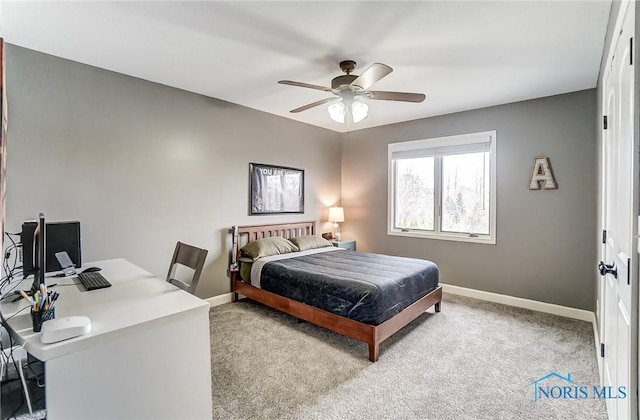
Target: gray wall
173,165
545,247
143,165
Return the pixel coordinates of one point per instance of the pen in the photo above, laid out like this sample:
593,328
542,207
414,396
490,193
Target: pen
54,297
43,293
24,295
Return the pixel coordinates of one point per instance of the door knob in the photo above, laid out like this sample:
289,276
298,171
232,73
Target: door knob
608,269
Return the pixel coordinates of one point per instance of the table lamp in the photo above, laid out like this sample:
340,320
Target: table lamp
336,215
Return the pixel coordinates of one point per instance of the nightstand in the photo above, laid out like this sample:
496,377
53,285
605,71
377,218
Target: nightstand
350,245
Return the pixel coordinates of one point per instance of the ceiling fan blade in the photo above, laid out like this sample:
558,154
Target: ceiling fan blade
375,72
314,104
305,85
382,95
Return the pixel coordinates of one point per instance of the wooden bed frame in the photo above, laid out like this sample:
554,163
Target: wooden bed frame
373,335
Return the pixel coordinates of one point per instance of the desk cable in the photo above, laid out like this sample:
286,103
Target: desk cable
10,265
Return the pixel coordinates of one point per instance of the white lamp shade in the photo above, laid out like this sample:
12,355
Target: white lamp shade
336,214
337,111
353,109
359,111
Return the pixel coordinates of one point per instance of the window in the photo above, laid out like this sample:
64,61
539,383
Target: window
444,188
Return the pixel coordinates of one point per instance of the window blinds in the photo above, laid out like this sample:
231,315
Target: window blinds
423,150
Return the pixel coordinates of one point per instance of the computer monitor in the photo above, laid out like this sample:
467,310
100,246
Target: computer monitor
61,236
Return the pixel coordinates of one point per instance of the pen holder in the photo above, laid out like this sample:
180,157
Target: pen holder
39,317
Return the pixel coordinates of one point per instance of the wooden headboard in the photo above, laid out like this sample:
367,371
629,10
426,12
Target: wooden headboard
245,234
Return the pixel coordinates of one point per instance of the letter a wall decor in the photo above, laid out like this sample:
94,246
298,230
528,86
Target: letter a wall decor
541,175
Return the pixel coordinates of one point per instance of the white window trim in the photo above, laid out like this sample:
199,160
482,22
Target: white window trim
439,142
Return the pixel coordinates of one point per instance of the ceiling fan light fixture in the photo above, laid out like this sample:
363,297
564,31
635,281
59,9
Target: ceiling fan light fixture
349,88
337,111
359,111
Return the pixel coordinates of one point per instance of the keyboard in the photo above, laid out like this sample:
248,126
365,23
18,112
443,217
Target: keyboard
93,281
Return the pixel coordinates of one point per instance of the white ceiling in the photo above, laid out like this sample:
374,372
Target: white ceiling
462,55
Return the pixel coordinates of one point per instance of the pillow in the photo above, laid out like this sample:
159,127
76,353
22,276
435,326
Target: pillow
310,242
245,270
266,247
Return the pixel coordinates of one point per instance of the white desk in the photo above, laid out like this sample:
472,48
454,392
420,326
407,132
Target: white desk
147,355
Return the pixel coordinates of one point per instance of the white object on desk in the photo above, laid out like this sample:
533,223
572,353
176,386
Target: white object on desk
139,328
64,328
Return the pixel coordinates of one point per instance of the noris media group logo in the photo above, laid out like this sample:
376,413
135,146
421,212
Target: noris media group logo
554,386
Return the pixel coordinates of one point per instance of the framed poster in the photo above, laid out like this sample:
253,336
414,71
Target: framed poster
275,189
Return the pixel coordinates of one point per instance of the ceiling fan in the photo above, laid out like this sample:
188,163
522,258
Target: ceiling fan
348,88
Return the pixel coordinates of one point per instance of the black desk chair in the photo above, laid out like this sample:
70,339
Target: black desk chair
191,257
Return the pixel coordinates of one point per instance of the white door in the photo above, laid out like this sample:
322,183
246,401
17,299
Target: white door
618,213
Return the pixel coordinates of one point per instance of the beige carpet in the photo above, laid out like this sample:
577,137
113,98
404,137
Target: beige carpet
473,360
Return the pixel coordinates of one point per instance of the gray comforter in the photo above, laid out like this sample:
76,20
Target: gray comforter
369,288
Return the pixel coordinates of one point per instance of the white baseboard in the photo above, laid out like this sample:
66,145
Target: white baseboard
599,359
533,305
219,300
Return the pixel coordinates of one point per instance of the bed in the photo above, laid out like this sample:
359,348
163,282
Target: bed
364,296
